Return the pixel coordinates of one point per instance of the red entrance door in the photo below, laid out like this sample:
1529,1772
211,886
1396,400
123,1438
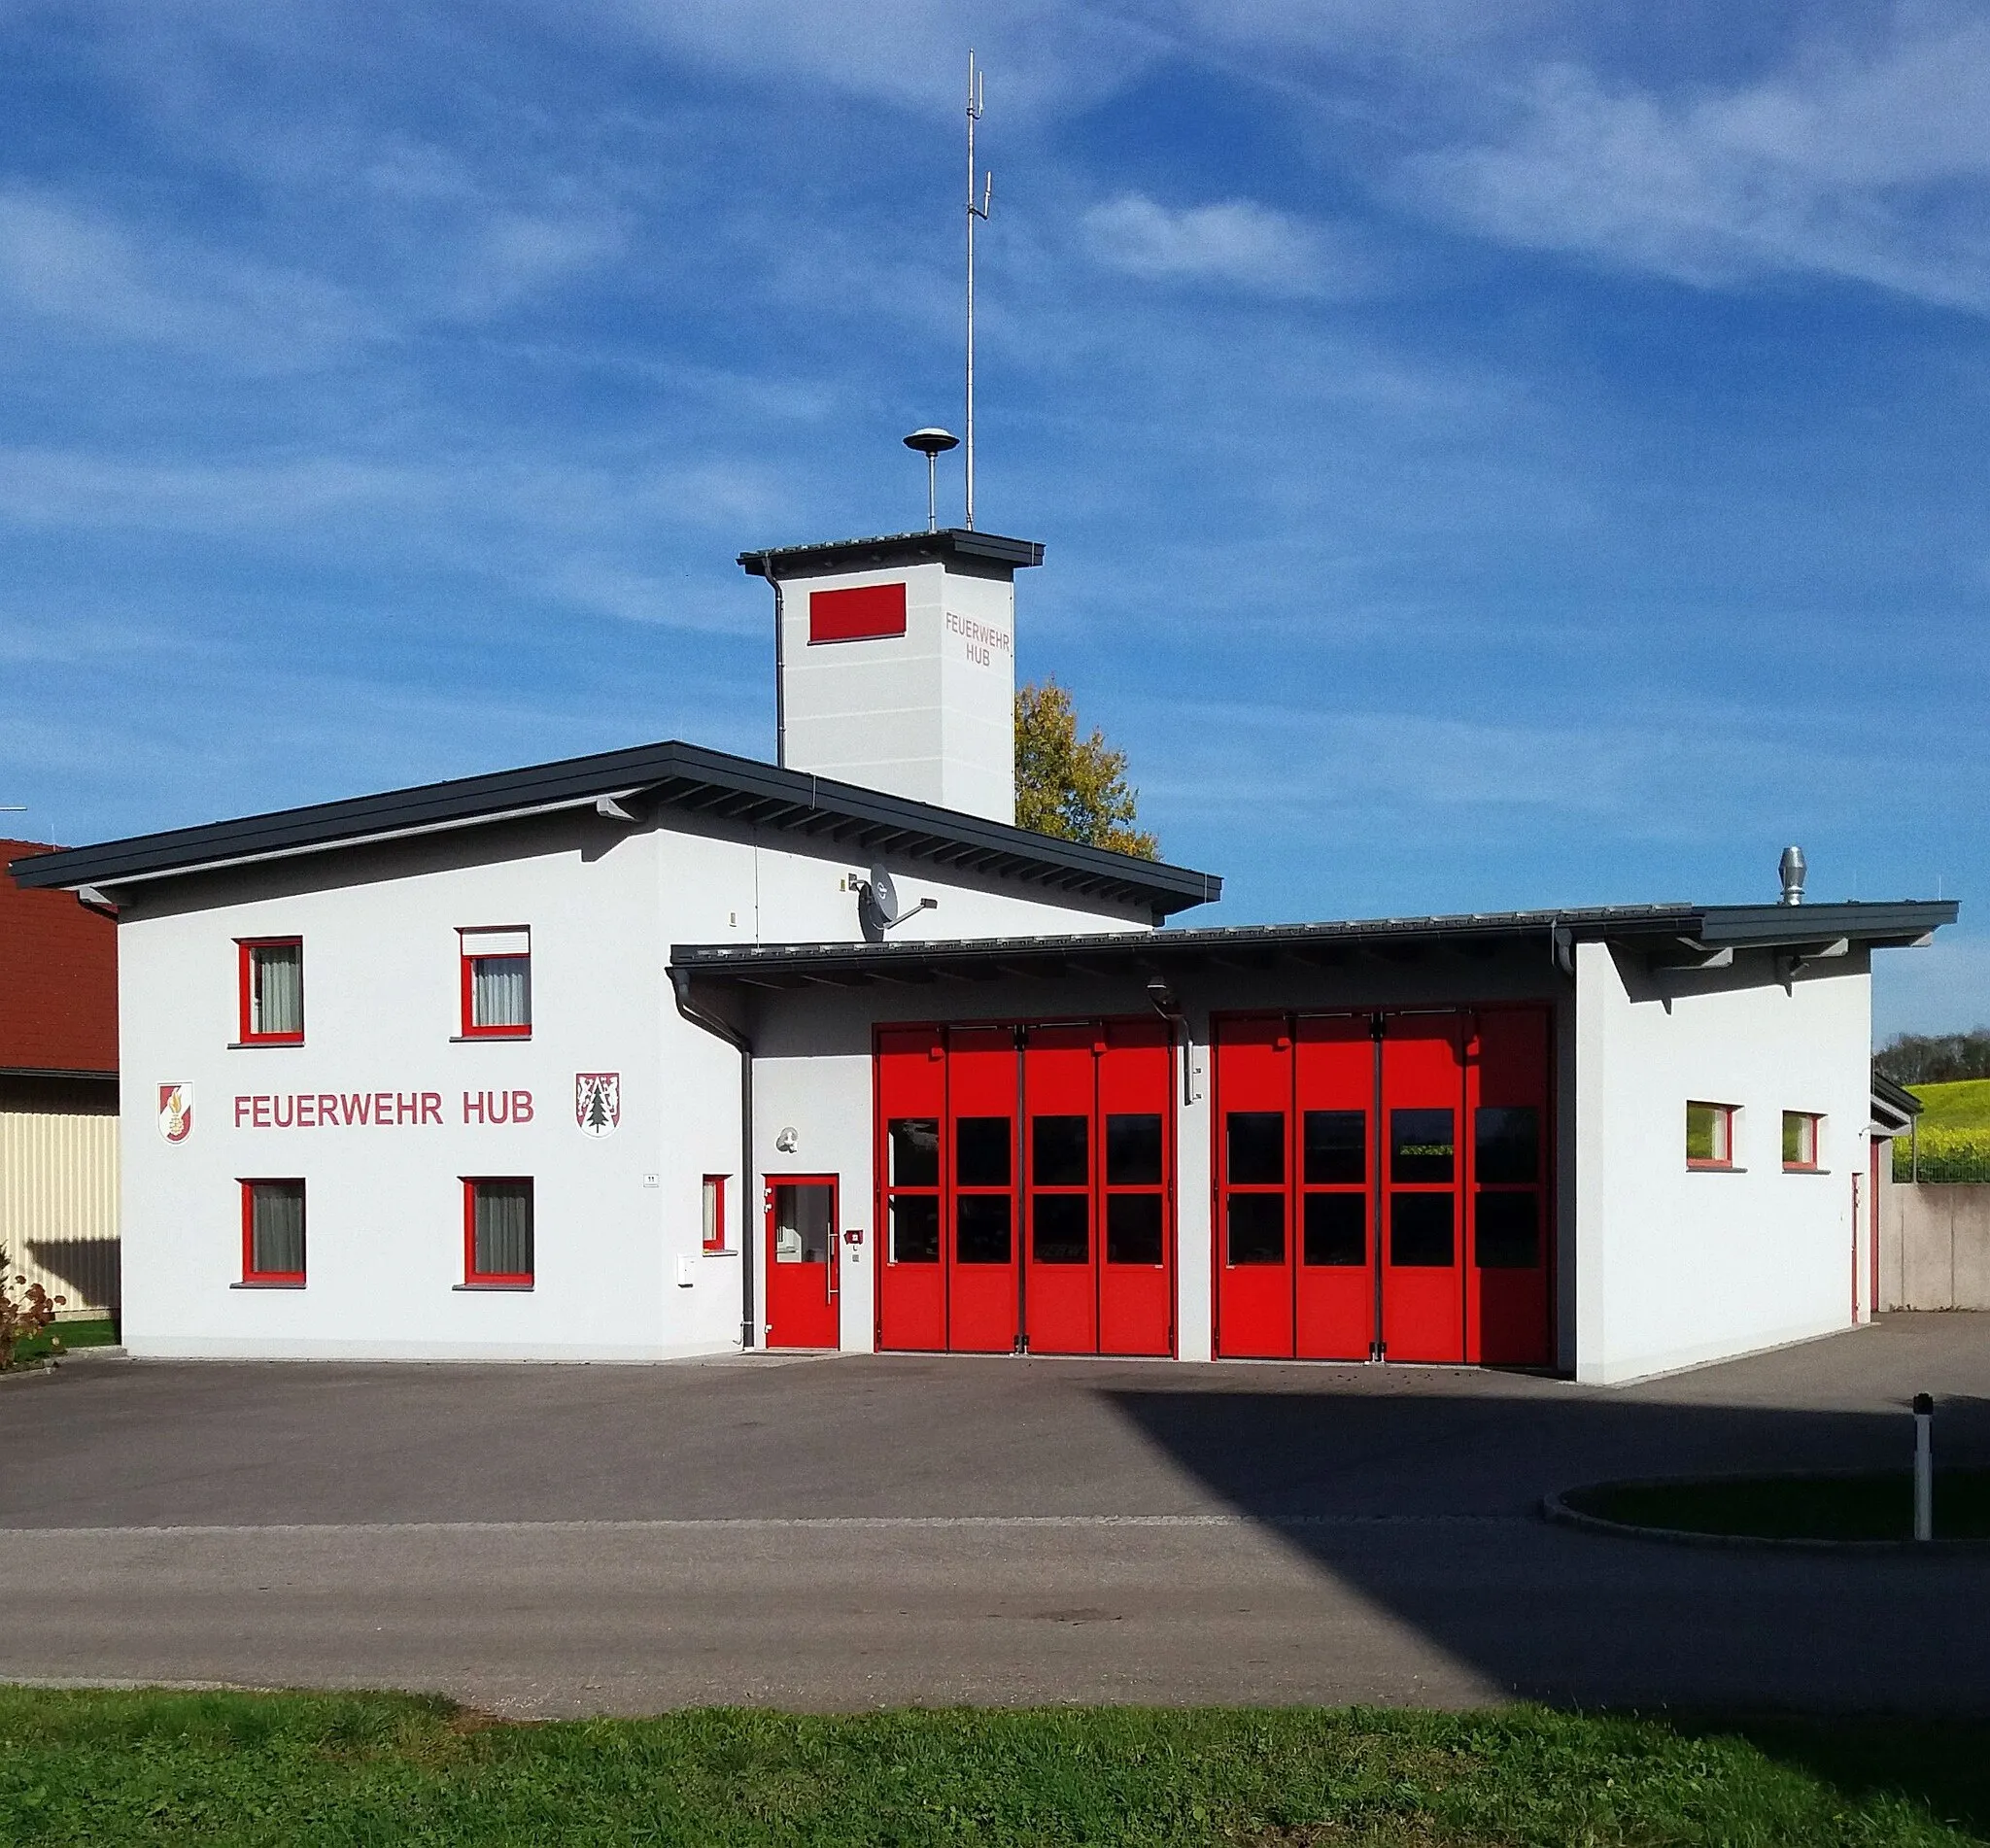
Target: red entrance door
1423,1256
912,1117
801,1262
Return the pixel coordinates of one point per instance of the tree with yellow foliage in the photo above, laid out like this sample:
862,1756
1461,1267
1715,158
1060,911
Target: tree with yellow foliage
1070,786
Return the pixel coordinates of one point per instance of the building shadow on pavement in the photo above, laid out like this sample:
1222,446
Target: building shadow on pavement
1426,1505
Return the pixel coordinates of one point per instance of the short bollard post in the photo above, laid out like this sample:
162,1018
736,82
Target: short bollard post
1924,1466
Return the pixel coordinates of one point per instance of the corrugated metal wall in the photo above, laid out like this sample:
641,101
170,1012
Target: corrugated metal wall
58,1191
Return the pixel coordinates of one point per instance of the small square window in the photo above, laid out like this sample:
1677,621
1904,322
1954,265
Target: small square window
497,1232
270,973
1710,1135
272,1232
1799,1139
496,979
715,1213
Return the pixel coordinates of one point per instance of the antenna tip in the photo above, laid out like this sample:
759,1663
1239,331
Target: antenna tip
931,441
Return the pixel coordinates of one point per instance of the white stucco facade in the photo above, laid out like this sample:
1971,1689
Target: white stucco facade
620,1272
1677,1264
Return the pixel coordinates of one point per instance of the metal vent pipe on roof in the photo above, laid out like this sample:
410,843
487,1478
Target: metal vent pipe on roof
1791,867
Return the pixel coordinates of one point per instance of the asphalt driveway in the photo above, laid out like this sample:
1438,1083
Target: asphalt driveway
841,1532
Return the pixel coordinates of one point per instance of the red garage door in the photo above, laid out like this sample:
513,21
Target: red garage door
1027,1189
1382,1186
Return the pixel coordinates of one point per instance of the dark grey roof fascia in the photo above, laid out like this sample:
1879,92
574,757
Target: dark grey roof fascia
892,548
1895,1096
1745,926
672,774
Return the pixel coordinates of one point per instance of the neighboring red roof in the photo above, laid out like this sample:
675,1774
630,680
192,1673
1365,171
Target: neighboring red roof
58,978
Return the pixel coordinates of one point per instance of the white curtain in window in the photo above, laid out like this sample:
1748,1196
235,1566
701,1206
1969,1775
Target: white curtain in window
276,1228
500,991
505,1228
279,988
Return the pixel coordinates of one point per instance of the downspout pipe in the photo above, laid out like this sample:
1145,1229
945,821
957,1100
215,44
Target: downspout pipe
680,986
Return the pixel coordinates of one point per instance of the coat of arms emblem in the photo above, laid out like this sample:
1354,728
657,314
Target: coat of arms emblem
597,1101
175,1112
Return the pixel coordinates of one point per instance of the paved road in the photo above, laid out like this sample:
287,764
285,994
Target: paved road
840,1532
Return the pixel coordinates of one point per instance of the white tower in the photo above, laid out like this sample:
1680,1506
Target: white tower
895,663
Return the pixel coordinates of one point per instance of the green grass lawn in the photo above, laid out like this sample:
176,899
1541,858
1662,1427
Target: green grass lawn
224,1769
1876,1507
1962,1105
73,1334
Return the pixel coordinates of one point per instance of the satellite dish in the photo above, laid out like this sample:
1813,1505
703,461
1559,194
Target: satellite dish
883,896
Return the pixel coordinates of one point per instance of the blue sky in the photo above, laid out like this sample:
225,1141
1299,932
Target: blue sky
1488,456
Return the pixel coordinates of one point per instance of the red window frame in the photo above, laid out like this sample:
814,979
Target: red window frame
249,1273
713,1231
467,957
245,948
1725,1114
472,1277
1815,1118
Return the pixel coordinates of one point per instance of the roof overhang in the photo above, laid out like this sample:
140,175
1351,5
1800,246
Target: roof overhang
635,785
1653,930
980,552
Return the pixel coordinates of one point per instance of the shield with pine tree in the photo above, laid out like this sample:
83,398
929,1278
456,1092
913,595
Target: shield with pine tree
597,1101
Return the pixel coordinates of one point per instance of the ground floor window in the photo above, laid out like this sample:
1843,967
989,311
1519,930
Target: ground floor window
497,1231
715,1213
273,1232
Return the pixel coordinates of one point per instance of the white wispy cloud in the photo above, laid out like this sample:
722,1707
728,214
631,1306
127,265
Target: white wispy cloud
82,271
1872,165
1237,243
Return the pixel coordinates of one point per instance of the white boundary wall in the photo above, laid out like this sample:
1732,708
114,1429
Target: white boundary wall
1678,1266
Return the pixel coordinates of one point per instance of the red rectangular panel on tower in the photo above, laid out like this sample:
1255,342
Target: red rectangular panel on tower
858,614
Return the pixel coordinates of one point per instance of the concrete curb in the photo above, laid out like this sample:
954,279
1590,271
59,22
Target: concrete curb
1555,1507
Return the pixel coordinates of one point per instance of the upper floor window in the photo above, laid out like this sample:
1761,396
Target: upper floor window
1710,1135
272,990
1799,1139
497,983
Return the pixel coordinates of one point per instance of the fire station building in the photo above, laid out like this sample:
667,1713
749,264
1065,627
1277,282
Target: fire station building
664,1052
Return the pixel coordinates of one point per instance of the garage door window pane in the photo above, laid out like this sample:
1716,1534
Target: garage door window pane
1336,1228
1509,1144
914,1151
1419,1230
1257,1149
1258,1228
1058,1228
1509,1231
981,1152
1336,1148
1421,1146
915,1230
1133,1150
1133,1228
980,1229
1059,1156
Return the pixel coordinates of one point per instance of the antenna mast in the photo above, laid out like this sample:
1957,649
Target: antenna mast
984,183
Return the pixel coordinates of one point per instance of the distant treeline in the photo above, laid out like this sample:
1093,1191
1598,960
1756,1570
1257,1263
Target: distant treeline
1920,1058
